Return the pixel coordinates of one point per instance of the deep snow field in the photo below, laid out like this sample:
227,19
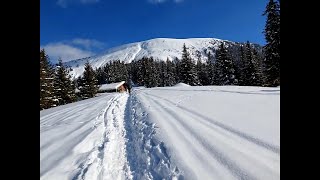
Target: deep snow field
181,132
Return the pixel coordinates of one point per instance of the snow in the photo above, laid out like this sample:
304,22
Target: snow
183,132
111,86
181,85
218,132
159,48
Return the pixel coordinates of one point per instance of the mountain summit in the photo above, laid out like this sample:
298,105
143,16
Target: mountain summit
159,48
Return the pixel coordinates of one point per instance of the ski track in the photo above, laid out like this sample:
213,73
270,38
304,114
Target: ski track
148,136
59,139
211,140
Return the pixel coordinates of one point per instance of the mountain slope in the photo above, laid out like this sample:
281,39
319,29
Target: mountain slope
160,48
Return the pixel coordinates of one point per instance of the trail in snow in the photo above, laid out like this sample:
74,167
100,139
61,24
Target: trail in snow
101,138
164,133
109,158
148,155
115,165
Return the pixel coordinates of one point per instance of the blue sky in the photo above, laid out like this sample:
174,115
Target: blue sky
73,29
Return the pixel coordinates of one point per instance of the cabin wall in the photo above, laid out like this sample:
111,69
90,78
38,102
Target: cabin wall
122,89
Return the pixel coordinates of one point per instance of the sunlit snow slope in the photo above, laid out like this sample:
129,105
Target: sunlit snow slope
160,48
180,132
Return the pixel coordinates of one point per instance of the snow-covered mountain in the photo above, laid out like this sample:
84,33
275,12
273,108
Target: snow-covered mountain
159,48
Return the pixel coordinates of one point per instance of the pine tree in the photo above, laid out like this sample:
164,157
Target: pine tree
239,68
171,73
47,96
141,71
249,75
63,86
257,62
102,75
111,72
123,72
210,69
163,74
151,77
224,72
178,69
89,84
202,70
272,48
157,73
187,69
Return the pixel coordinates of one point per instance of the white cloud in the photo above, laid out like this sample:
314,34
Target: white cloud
65,51
88,43
65,3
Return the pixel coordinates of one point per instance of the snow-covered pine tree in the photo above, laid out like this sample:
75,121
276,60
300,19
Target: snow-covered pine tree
120,71
63,86
124,73
239,69
210,68
224,72
151,75
203,73
163,74
187,69
258,65
156,73
116,68
78,82
147,74
249,75
141,72
272,48
47,96
111,73
184,65
101,73
177,63
89,83
171,73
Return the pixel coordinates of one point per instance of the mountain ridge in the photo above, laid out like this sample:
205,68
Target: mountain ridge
158,48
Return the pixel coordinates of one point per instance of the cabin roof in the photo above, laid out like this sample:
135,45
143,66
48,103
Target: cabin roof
111,86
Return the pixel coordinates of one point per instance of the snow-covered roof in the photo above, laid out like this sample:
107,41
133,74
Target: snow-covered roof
111,86
181,85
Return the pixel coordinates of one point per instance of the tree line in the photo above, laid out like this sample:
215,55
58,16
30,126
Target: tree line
224,69
58,88
241,64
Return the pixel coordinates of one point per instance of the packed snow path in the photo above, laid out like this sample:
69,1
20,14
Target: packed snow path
89,140
93,150
164,133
